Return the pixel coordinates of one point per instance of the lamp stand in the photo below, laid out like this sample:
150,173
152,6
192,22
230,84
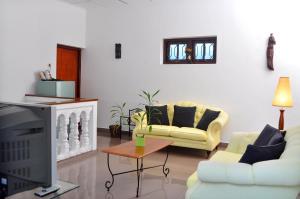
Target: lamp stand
281,120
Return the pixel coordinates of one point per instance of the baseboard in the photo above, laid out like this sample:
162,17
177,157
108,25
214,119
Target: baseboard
223,145
101,131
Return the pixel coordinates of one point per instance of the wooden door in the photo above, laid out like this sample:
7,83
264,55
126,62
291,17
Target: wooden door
68,65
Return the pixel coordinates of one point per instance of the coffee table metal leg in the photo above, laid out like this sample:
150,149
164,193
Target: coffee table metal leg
109,184
139,169
138,177
142,165
166,170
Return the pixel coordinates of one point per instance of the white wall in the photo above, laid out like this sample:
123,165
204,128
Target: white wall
29,33
239,83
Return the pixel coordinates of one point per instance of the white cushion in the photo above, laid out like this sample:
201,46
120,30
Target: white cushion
226,157
277,172
235,173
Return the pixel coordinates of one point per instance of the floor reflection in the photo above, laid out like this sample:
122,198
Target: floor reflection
90,172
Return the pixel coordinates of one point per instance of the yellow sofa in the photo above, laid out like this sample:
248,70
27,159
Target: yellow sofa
184,136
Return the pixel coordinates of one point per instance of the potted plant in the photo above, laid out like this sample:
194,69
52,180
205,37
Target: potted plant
117,112
142,114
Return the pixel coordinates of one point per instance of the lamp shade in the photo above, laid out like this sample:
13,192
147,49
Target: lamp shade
283,95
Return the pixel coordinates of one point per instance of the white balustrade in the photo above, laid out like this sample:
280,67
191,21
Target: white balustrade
76,125
74,132
64,146
77,131
85,140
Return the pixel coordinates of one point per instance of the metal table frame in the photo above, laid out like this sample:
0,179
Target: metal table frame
139,169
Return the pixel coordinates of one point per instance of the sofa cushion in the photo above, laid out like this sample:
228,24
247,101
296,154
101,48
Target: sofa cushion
184,116
157,115
292,148
269,136
161,130
218,172
277,172
207,118
240,140
291,152
255,153
226,157
198,114
189,133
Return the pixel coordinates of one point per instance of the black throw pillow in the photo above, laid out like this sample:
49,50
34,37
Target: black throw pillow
269,136
255,154
277,138
184,116
207,118
157,115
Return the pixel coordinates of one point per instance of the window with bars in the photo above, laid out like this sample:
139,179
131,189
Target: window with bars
196,50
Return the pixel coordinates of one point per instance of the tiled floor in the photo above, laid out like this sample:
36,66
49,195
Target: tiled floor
90,172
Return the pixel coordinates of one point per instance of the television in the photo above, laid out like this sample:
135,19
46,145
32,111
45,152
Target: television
27,149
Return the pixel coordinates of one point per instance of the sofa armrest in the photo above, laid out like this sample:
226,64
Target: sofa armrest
282,172
139,119
267,173
217,172
240,140
214,130
221,119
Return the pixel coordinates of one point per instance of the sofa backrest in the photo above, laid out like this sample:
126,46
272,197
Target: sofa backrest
292,148
200,109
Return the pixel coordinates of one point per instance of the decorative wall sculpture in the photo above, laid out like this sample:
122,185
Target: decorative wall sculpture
270,52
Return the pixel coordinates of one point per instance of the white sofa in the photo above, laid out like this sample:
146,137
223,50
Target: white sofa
224,177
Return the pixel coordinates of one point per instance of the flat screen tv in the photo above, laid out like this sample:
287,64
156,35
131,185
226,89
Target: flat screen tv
27,148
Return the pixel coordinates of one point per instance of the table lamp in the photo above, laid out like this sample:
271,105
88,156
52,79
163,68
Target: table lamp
283,98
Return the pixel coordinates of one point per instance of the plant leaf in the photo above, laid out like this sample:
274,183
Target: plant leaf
155,93
138,110
145,93
149,98
150,128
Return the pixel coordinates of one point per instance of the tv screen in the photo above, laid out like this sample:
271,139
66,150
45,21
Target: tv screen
27,158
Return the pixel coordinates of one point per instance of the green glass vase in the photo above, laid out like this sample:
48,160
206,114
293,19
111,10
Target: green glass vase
140,141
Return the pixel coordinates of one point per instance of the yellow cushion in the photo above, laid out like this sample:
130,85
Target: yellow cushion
189,133
226,157
162,130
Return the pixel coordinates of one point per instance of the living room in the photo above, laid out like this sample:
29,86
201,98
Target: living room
238,83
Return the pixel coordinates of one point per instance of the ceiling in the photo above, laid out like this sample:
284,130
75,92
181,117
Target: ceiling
100,2
105,3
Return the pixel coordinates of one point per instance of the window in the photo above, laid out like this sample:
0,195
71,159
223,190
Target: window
197,50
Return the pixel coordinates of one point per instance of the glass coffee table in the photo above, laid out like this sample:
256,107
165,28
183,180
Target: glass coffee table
129,150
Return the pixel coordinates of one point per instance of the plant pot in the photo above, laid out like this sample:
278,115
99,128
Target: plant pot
115,130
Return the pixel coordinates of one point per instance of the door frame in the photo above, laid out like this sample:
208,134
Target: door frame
77,95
